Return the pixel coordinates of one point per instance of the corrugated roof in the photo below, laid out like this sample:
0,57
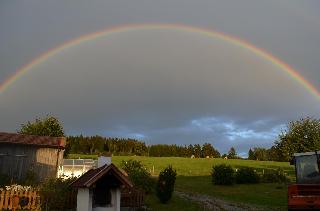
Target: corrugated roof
46,141
93,175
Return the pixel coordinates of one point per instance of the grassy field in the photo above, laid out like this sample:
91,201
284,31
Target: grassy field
197,166
268,195
175,203
194,177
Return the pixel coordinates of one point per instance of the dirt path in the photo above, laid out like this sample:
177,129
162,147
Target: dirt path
211,203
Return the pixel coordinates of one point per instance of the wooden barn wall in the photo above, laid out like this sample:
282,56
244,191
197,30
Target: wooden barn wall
16,160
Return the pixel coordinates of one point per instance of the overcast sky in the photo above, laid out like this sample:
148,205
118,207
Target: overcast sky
161,85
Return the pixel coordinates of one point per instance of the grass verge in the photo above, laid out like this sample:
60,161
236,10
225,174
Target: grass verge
269,195
176,203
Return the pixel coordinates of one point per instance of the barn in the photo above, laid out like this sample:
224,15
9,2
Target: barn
20,154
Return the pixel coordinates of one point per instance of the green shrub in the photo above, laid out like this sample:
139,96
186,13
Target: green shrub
4,180
138,175
131,165
223,175
56,194
30,179
246,175
271,175
165,185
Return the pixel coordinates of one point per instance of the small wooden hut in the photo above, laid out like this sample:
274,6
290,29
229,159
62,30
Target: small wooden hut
20,154
100,189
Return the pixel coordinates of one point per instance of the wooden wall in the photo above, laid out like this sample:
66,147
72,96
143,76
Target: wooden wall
16,160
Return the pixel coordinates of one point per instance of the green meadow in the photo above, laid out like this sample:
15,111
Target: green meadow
193,176
195,166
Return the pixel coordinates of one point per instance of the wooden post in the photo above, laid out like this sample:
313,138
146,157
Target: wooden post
15,202
34,199
6,200
2,193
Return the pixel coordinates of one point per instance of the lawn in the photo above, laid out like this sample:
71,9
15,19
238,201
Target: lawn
176,203
194,177
197,166
269,195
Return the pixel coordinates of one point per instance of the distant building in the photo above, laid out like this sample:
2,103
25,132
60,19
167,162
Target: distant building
22,153
75,167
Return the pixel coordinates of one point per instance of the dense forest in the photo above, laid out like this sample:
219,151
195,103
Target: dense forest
120,146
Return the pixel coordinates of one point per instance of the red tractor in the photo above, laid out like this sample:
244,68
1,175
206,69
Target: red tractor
305,194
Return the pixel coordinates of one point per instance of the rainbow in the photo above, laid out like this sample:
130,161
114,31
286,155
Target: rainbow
295,75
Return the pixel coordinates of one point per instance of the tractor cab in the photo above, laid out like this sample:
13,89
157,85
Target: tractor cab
305,194
307,168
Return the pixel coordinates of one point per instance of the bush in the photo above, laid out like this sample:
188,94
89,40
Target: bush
246,175
56,194
30,179
4,180
138,175
165,185
272,175
223,175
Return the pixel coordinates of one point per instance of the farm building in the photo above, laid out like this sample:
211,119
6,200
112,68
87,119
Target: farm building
75,167
20,154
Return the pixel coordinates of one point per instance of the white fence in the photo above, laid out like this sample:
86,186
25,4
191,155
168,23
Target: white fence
75,167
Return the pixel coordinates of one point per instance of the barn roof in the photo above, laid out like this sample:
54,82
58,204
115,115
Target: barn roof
93,175
44,141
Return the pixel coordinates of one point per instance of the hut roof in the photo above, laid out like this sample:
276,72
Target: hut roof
44,141
93,175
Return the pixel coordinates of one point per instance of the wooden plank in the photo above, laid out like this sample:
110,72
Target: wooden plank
6,200
1,198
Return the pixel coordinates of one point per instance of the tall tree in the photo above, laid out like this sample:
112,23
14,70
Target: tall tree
260,153
300,136
197,150
232,154
48,126
207,150
251,155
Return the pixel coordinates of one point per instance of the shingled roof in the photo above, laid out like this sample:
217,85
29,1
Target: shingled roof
93,175
44,141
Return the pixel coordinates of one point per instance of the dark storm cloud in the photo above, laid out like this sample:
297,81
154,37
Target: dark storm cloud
161,86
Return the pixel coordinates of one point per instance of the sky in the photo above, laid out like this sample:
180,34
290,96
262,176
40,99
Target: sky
157,84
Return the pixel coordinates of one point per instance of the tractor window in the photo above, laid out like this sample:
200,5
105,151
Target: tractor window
307,169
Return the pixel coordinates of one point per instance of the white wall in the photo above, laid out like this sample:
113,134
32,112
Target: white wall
84,200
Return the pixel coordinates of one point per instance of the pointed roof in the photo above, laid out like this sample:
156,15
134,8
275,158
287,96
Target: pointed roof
93,175
44,141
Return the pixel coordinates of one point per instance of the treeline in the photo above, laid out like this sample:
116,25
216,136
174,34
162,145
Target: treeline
98,144
196,150
120,146
262,154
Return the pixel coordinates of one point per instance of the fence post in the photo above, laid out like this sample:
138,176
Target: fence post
11,199
15,201
1,198
6,199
